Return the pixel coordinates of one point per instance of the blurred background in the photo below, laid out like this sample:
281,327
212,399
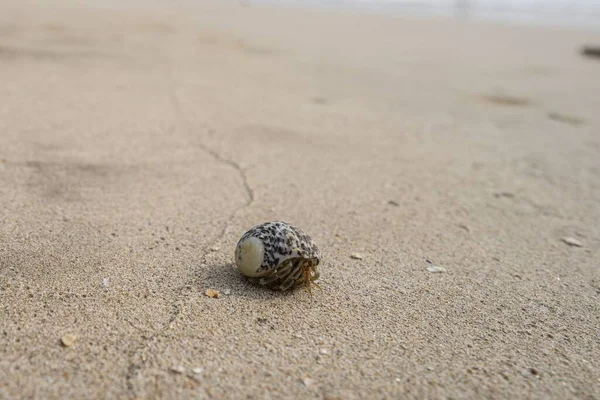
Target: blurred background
555,12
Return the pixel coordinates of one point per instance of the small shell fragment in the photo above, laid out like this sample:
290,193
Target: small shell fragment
431,267
308,382
178,369
435,269
68,340
571,241
279,256
212,293
357,256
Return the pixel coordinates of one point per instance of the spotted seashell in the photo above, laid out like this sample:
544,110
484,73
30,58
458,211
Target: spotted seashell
279,256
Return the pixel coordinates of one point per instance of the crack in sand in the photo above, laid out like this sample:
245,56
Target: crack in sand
176,307
249,192
214,154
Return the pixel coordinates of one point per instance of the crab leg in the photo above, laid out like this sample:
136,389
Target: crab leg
290,280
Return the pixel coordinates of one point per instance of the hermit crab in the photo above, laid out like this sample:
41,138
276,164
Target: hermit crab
279,256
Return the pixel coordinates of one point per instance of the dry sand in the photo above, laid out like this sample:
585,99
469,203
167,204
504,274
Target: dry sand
136,146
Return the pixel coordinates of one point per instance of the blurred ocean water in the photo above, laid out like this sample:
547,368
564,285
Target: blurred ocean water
585,13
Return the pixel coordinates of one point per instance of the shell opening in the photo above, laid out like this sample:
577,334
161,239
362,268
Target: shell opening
249,256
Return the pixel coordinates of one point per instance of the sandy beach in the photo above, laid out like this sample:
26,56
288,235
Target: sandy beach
138,143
